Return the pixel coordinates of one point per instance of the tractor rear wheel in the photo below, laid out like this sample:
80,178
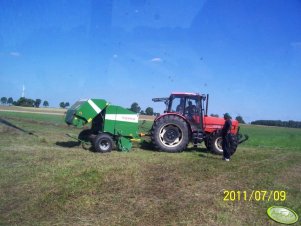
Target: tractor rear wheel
103,143
233,144
170,134
215,143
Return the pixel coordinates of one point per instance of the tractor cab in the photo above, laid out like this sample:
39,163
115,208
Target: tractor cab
188,105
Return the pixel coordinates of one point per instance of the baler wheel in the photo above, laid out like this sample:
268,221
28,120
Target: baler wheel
103,143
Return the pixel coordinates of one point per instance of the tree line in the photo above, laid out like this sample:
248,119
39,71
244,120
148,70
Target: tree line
24,102
290,123
27,102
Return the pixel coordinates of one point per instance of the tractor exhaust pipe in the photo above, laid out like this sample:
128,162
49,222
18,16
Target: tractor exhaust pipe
207,99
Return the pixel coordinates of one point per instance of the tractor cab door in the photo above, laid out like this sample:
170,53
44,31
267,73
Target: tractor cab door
192,110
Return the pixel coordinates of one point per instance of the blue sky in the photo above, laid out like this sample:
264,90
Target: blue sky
245,54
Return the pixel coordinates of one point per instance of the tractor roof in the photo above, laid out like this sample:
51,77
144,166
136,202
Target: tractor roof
185,94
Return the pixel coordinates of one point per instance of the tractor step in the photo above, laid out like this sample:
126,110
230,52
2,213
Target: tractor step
198,136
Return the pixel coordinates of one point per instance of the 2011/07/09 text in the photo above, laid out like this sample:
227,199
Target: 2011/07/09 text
254,195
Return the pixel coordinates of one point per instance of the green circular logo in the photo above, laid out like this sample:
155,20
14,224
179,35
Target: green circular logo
282,214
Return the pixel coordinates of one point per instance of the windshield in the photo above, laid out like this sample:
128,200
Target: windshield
185,105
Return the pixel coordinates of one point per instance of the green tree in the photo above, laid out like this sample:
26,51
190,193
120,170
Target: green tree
149,111
37,103
45,103
135,107
10,101
142,112
25,102
62,105
240,119
214,115
67,104
3,100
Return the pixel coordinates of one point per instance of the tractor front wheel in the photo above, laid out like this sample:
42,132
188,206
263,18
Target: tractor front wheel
170,134
103,143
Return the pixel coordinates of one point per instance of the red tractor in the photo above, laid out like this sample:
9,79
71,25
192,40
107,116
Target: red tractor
185,119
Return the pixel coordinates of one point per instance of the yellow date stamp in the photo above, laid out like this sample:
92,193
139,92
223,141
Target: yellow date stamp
255,195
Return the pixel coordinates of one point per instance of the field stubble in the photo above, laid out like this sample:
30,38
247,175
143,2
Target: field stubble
47,179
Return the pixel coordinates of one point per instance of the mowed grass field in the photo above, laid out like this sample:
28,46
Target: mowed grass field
46,178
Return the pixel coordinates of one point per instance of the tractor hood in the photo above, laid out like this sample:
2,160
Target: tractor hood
213,123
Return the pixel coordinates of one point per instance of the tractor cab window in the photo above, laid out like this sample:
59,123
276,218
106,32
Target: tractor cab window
178,105
190,108
185,106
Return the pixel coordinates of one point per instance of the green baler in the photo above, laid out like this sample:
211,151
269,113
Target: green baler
111,125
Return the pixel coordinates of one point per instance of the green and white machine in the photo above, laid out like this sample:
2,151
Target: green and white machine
111,126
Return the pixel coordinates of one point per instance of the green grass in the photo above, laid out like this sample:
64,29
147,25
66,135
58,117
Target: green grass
48,118
46,179
272,137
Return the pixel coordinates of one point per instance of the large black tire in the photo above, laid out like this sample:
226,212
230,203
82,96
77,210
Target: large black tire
233,144
215,143
103,143
170,134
